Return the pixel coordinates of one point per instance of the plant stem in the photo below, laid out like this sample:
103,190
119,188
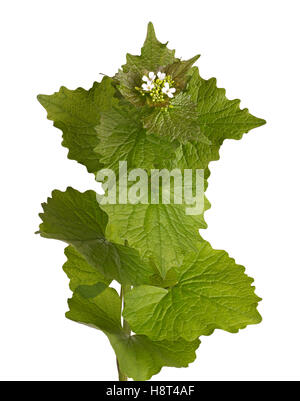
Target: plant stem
124,290
122,377
126,328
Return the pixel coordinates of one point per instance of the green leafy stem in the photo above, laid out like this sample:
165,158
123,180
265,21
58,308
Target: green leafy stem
155,113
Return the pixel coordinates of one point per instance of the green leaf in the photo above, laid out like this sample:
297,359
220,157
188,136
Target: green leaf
77,219
170,279
179,71
154,54
220,118
77,113
160,232
83,277
127,82
195,155
141,358
122,137
212,293
138,357
102,312
180,122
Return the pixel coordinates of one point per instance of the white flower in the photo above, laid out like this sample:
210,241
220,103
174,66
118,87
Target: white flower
148,86
161,75
168,91
150,78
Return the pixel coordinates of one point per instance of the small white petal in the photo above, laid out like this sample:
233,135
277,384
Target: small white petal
145,87
151,75
146,79
172,90
161,75
170,94
167,86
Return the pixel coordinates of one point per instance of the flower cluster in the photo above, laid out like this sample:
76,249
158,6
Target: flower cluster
157,86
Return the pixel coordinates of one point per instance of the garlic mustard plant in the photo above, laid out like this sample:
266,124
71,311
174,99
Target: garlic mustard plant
155,116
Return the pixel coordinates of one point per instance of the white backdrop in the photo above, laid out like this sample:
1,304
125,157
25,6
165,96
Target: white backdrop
252,48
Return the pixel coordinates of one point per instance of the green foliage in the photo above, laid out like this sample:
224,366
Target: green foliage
212,292
153,55
122,137
77,113
175,287
77,219
83,277
219,118
161,233
180,122
138,356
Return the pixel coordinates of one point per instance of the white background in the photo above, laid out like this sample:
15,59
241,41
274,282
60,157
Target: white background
252,47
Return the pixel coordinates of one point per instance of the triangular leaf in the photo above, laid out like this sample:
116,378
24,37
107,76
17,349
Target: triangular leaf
77,113
219,118
153,55
179,70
